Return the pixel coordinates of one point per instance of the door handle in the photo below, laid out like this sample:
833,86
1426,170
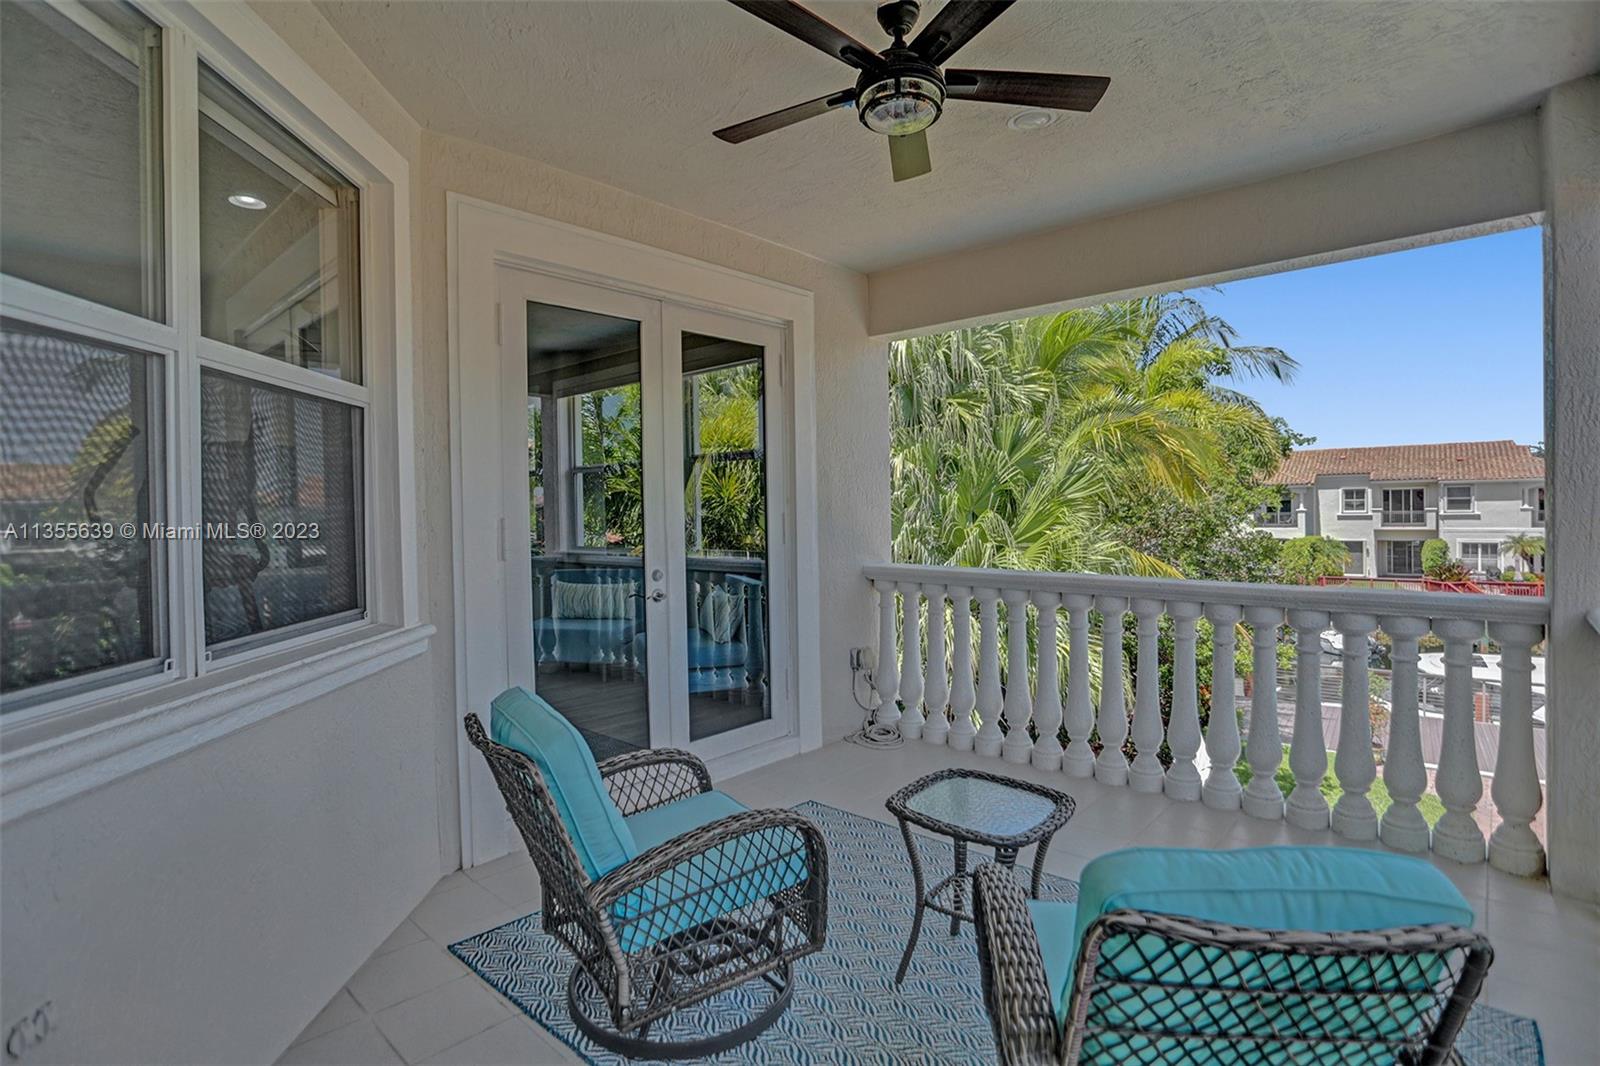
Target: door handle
657,596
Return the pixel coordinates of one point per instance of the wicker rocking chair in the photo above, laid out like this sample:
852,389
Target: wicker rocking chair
1150,987
712,895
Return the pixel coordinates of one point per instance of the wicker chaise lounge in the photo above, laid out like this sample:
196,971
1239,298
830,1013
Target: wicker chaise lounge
1269,956
666,891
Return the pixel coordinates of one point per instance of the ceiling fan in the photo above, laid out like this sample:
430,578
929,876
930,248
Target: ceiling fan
902,90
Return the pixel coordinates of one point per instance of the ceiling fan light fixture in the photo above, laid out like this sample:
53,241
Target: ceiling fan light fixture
899,106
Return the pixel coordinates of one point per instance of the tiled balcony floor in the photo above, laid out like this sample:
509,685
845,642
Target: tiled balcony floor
413,1002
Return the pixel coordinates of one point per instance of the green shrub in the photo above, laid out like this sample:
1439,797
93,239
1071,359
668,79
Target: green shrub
1305,559
1435,557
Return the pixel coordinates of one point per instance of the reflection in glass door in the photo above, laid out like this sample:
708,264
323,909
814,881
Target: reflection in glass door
725,533
586,521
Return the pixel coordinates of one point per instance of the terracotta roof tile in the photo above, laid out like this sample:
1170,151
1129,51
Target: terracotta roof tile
1479,460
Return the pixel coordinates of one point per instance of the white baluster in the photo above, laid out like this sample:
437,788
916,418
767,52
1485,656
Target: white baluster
911,660
1222,789
1183,732
990,738
1078,759
1111,767
1047,697
1308,751
937,696
1263,798
1353,815
1145,773
1018,747
1404,772
887,679
1513,846
963,698
1457,835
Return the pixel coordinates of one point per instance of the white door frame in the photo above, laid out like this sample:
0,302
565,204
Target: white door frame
484,237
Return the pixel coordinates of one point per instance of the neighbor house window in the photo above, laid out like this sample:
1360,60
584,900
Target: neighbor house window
1403,506
1357,563
237,377
1280,515
1353,501
1482,556
1533,500
1458,498
1402,558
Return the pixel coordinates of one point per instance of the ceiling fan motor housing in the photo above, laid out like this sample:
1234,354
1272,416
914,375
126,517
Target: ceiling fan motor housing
905,96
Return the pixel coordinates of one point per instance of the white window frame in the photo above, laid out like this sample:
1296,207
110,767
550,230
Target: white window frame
1533,500
1420,511
50,751
1478,545
1344,500
1356,566
1444,499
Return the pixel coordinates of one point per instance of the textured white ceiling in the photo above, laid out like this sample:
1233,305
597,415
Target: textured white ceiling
1202,95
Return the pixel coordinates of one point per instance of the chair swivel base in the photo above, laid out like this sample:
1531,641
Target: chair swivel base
639,1046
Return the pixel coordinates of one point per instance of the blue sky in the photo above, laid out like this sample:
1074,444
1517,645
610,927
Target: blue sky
1443,343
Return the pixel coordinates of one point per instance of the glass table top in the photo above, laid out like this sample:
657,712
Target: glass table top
985,806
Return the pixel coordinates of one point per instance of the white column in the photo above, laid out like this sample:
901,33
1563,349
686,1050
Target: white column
1145,773
1222,788
1183,731
1308,751
1078,759
990,738
911,660
1111,766
937,695
887,679
1513,847
1404,772
1353,815
1570,126
1047,694
1262,797
1457,835
963,698
1018,747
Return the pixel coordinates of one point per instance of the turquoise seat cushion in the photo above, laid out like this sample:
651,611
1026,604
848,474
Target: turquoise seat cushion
1325,889
1055,924
725,879
524,722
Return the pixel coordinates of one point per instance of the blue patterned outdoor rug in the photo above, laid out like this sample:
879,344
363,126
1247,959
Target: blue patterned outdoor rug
846,1007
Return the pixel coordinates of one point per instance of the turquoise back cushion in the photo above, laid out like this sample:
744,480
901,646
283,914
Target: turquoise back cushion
524,722
1327,889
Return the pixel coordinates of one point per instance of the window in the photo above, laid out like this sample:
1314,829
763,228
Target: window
1353,501
1481,556
1533,500
1403,507
1357,563
257,393
1458,498
608,472
1402,558
1281,515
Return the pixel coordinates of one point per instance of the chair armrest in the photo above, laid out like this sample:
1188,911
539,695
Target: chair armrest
1016,991
702,870
653,777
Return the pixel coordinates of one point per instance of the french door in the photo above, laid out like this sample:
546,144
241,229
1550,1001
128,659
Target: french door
644,600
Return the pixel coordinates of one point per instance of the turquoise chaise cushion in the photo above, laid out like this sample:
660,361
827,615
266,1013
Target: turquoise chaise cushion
524,722
1327,889
728,877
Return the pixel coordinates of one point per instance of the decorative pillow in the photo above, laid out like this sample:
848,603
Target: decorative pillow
591,599
721,612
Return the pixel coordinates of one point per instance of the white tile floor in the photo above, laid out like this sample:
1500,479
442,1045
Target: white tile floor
413,1002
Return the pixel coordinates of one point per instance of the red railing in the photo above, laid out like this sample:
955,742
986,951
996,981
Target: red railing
1428,584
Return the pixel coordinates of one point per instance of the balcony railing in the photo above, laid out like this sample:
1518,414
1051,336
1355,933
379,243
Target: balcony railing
1405,518
926,687
1276,518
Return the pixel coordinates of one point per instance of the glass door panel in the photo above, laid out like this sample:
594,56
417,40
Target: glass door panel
585,445
725,533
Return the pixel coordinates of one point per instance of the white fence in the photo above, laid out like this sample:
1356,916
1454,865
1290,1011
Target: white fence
935,685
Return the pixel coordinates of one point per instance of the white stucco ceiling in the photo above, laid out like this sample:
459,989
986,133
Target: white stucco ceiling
1203,95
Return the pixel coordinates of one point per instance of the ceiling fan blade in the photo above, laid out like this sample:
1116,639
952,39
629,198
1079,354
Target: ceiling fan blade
908,156
1064,92
777,120
813,29
958,22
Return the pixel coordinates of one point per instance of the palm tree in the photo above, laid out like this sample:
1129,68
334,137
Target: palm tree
1525,548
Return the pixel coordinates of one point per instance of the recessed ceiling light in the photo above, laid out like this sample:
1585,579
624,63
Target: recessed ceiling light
248,202
1032,119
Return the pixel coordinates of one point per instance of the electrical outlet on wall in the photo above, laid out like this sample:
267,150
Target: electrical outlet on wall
29,1032
864,659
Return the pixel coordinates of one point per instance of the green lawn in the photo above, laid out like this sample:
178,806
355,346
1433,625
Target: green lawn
1379,793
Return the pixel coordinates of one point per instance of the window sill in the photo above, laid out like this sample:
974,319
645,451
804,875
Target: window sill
47,761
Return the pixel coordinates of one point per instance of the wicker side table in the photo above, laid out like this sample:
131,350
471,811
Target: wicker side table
973,807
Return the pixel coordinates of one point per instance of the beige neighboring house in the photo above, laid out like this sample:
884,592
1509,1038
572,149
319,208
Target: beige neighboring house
1383,503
